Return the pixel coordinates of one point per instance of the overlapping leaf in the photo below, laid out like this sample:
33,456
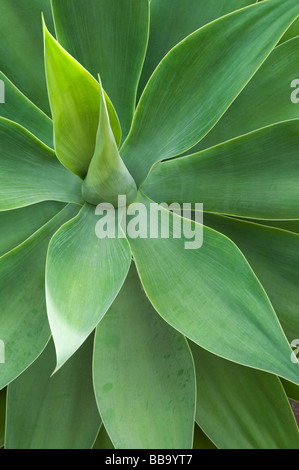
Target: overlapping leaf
75,101
250,405
24,325
108,37
205,73
204,297
83,276
58,412
143,375
255,175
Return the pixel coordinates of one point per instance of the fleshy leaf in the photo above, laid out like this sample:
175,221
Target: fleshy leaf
18,108
75,104
274,256
216,292
107,175
21,47
143,375
24,325
249,404
255,175
266,98
83,276
30,172
173,20
205,73
103,440
19,224
58,412
109,38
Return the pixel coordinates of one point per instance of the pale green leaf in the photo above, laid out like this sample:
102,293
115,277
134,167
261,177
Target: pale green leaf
83,276
210,294
255,175
58,412
24,324
143,375
199,79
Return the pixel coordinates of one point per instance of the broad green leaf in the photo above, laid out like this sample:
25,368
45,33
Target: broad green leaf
19,224
201,440
172,20
75,101
21,47
274,256
58,412
253,176
103,440
292,31
108,37
2,415
83,276
24,325
289,225
242,408
264,101
19,109
210,294
30,172
199,79
107,175
143,375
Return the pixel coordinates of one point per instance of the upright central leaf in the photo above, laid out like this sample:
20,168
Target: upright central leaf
75,104
107,175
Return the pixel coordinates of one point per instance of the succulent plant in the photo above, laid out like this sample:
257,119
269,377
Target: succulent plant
114,332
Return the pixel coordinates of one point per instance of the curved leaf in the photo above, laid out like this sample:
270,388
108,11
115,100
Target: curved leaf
30,172
255,175
143,375
58,412
251,406
201,440
108,37
19,109
172,20
75,101
21,47
266,98
83,276
107,175
217,301
24,325
205,73
274,256
103,440
19,224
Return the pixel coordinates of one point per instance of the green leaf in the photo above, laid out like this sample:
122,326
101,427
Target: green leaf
24,325
19,224
2,415
107,175
75,101
30,172
274,256
108,37
143,375
253,176
173,20
248,404
19,109
103,440
289,225
21,47
266,98
291,389
216,301
83,276
205,73
58,412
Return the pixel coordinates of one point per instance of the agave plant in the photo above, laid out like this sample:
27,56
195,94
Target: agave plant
133,341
